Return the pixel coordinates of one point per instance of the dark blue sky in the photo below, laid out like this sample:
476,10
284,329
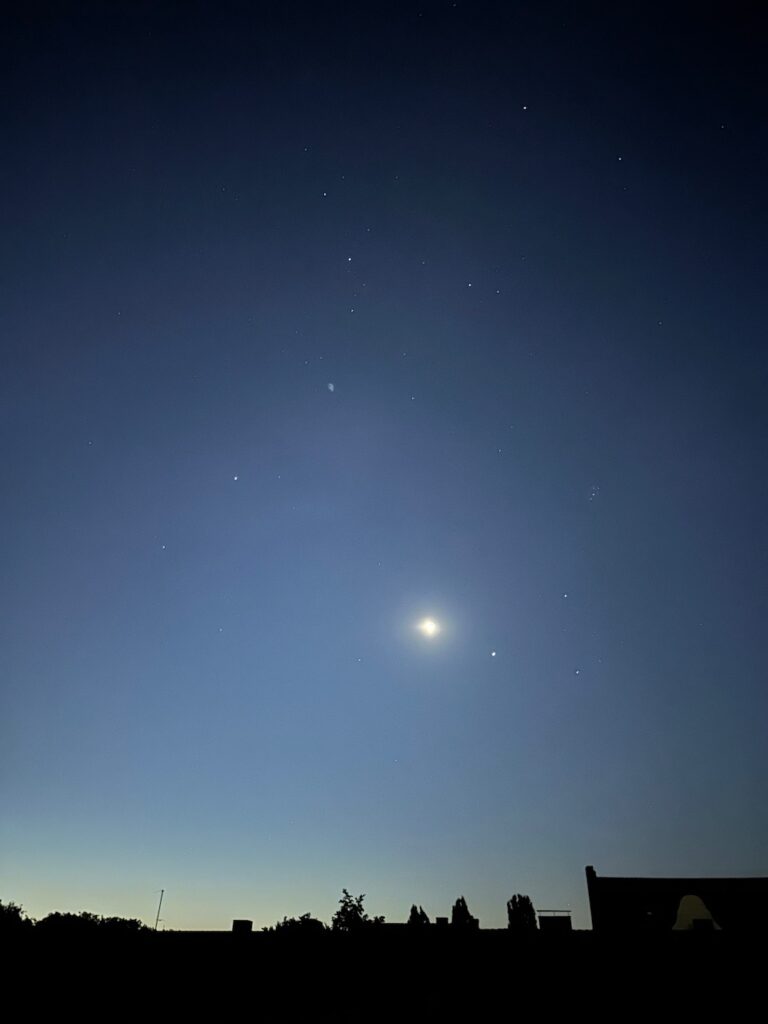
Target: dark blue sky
321,318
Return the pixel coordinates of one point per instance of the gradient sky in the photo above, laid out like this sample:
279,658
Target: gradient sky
318,318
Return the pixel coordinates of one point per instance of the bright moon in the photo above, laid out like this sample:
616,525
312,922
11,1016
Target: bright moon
429,628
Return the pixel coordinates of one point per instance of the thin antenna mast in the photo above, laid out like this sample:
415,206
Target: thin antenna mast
159,905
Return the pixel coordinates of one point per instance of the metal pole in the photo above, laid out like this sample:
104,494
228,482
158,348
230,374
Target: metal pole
159,905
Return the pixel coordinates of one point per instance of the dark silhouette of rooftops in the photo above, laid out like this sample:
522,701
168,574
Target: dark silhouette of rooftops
676,904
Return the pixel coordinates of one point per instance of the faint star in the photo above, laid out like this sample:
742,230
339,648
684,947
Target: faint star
331,387
234,477
493,654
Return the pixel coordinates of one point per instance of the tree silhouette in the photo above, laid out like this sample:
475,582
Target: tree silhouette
121,926
86,924
13,920
521,915
460,915
66,924
418,919
351,914
304,925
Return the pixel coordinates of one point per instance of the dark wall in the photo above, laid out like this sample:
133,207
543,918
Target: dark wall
652,904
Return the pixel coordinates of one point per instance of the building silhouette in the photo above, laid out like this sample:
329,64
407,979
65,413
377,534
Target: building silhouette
676,904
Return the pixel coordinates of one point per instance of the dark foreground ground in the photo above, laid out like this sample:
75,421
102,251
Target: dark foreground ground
187,976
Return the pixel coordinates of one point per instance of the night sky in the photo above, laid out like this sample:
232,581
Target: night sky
321,319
